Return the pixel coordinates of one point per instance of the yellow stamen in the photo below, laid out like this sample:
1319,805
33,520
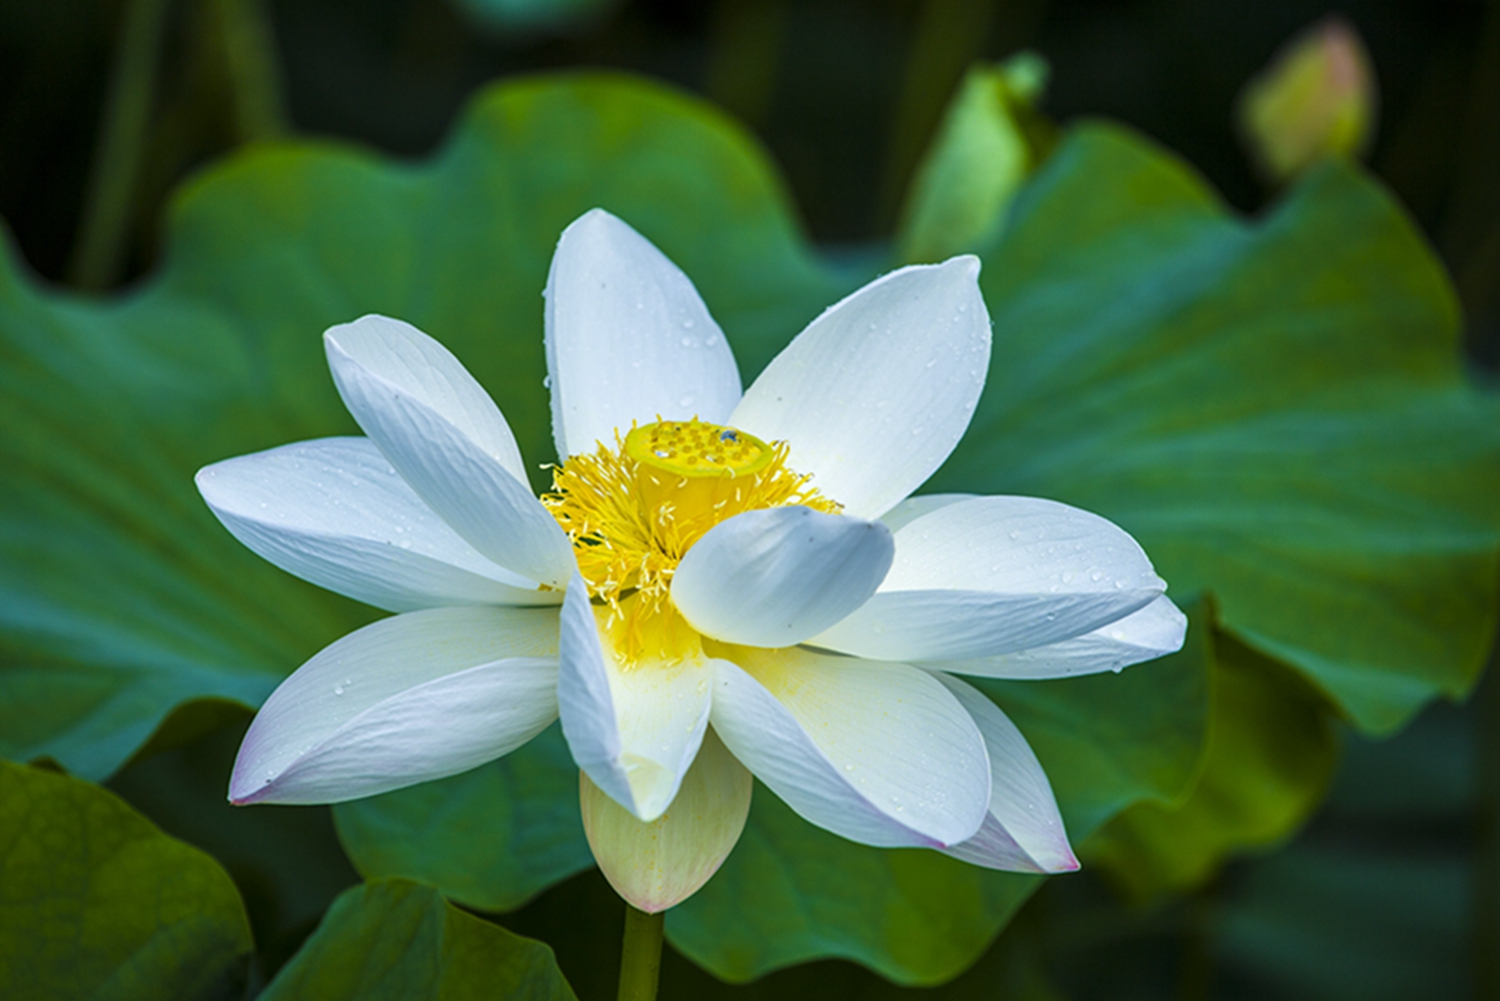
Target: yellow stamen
634,510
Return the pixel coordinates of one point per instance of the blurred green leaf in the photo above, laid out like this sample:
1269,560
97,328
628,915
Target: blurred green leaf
286,860
1271,753
791,892
492,838
1379,900
1276,410
95,902
399,940
990,141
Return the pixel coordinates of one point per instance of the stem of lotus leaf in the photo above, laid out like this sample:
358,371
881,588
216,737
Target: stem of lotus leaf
121,147
640,962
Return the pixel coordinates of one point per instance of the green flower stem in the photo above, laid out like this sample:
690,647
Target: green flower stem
640,962
249,45
118,153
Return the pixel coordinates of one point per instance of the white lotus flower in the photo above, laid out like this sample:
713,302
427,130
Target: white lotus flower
720,584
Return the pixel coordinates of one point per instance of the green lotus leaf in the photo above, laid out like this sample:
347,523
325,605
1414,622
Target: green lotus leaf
96,902
492,838
1271,754
400,940
286,860
1276,409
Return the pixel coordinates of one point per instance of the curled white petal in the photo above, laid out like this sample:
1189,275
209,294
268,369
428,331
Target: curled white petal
634,729
423,369
775,577
334,512
879,753
1024,830
628,338
404,700
876,392
993,575
1153,631
454,461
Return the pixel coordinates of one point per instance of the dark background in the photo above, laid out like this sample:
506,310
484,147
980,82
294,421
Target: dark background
845,93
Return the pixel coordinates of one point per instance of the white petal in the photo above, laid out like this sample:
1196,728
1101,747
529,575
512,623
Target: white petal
776,577
994,575
458,469
913,508
628,338
423,369
403,700
879,753
634,729
876,392
1154,631
1024,830
334,512
658,865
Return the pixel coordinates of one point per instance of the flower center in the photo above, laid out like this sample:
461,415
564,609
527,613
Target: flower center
633,511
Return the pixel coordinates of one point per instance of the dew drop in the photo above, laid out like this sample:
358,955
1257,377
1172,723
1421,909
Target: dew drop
688,342
404,543
687,324
546,382
686,401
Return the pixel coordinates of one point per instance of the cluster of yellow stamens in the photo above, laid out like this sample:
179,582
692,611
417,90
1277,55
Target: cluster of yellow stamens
633,511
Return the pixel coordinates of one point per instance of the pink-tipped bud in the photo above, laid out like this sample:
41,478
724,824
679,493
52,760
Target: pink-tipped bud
1316,98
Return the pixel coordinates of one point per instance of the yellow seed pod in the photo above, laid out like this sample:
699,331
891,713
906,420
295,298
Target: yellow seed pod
696,469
